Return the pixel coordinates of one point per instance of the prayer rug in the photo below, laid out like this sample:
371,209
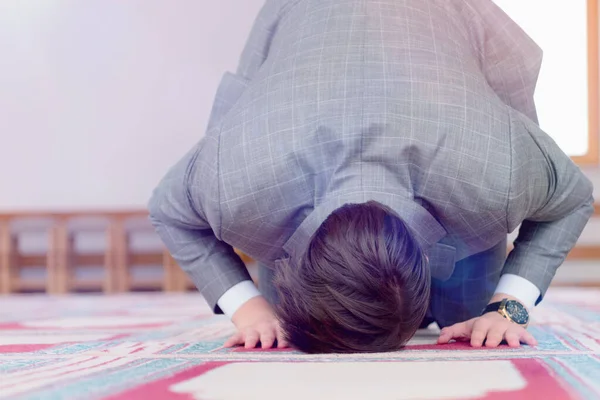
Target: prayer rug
162,346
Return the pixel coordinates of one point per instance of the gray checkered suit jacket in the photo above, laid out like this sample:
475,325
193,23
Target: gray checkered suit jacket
423,105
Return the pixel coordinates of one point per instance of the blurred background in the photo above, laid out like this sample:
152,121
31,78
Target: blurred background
98,98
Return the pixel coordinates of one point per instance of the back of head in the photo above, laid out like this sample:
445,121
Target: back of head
362,285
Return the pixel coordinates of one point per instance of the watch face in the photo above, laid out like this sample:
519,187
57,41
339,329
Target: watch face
517,312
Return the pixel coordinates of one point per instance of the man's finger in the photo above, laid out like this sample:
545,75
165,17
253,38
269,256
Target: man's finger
528,338
457,331
480,330
512,338
252,338
446,335
281,342
495,335
267,339
236,339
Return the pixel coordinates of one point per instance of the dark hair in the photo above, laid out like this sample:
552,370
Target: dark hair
362,285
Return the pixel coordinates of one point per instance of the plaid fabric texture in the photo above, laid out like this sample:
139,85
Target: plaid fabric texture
424,105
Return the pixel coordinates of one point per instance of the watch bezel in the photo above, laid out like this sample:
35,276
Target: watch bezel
504,311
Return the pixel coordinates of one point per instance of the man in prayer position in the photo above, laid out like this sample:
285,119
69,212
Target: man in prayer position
372,156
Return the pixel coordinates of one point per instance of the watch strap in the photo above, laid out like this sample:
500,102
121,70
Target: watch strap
493,307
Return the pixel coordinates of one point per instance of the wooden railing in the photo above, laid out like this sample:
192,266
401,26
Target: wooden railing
61,259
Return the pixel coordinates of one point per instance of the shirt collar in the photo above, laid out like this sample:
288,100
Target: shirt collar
425,227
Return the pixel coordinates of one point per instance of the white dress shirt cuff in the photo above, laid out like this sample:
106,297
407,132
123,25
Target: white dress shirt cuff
519,287
236,296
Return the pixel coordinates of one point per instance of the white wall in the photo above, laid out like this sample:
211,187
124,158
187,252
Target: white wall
99,97
561,94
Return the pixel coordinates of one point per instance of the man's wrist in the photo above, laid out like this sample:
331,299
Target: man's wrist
517,288
237,296
251,310
498,297
508,307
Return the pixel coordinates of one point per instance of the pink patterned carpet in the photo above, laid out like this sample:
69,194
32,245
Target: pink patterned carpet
157,346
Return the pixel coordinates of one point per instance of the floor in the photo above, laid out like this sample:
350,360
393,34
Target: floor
158,346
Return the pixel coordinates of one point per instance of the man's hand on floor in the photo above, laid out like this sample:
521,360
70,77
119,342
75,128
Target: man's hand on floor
491,328
256,322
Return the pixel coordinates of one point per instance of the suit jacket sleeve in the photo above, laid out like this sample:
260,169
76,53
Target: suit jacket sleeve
185,206
180,209
550,196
